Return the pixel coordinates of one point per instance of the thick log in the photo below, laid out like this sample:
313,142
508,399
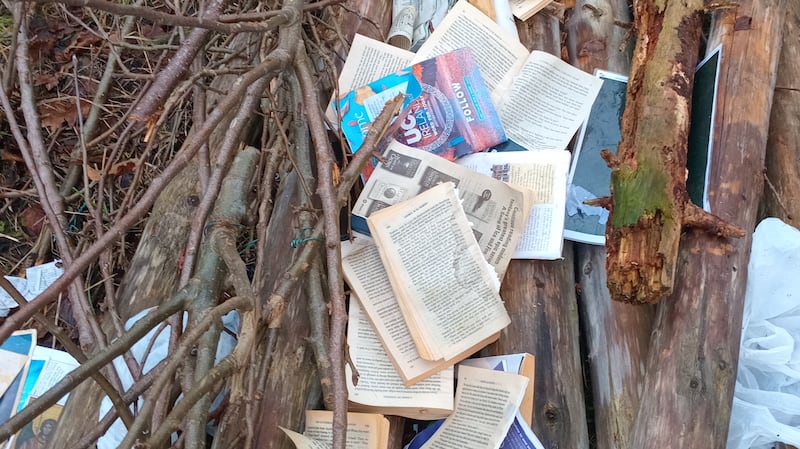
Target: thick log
540,299
691,367
649,203
292,383
616,334
782,191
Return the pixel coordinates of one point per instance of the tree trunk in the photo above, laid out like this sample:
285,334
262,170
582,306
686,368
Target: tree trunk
650,205
691,367
616,334
540,298
782,193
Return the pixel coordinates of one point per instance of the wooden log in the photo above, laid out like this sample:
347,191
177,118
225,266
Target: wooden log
649,202
616,334
691,367
540,299
292,383
782,191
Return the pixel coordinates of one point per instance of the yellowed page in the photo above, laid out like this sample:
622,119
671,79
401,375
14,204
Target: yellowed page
364,430
303,442
446,289
367,61
379,384
525,9
545,173
486,403
498,55
364,272
549,100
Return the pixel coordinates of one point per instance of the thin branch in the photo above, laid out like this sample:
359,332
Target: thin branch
273,64
161,18
103,357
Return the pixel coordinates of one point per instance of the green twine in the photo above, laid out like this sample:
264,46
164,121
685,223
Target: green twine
303,240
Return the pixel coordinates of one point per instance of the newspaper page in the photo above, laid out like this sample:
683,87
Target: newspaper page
364,430
447,291
486,404
367,61
497,211
379,387
364,272
549,100
498,55
544,172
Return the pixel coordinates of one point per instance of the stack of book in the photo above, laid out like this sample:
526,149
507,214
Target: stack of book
439,219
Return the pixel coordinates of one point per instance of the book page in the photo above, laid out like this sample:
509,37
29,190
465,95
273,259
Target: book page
548,102
364,272
543,172
486,403
525,9
364,430
380,386
447,291
523,364
303,442
11,363
367,61
497,211
498,55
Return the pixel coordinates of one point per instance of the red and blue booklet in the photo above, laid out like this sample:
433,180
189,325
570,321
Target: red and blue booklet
447,110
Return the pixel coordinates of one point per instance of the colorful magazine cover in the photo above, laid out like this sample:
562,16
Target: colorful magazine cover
447,110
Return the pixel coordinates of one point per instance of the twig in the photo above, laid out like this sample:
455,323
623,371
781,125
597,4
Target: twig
274,63
153,98
162,18
104,356
74,351
254,16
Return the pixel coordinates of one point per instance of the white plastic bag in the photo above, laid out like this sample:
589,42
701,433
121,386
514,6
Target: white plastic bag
766,404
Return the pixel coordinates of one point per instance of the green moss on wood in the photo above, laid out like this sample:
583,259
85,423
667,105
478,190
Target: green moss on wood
639,193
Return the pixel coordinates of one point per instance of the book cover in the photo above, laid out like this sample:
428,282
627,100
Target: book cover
447,111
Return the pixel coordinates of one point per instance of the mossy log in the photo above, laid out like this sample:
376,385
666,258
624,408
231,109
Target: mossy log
540,298
649,203
617,335
691,366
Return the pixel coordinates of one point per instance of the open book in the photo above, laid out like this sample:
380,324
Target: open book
525,9
379,387
364,431
497,210
543,172
447,291
541,99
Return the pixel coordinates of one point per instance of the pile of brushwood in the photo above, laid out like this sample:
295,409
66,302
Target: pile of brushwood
175,157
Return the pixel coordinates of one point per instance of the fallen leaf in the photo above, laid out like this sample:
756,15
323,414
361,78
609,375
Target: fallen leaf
32,220
54,114
117,169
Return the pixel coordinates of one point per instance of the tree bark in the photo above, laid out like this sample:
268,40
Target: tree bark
616,334
649,203
691,367
540,299
782,191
